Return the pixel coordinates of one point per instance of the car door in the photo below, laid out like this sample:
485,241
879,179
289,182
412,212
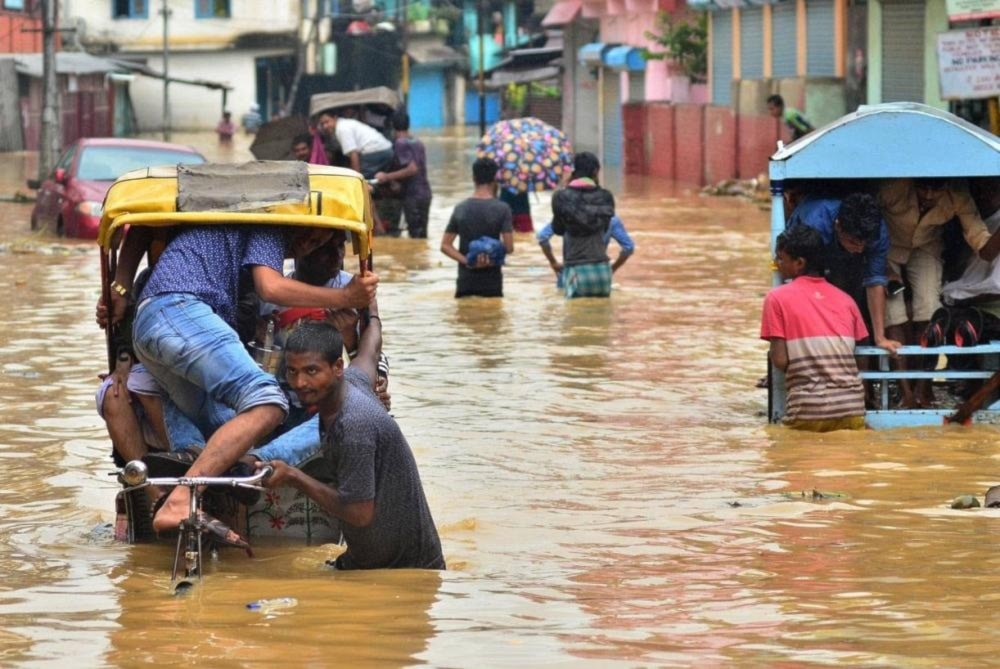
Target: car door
50,195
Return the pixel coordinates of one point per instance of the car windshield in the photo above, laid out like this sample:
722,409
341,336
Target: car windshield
107,163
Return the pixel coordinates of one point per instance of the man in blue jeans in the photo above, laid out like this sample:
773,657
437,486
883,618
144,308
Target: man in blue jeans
184,332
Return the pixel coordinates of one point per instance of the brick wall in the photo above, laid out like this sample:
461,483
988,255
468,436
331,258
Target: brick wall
661,143
758,136
720,144
635,121
689,145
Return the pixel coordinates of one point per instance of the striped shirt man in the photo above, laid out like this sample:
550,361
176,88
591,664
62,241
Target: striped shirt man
820,325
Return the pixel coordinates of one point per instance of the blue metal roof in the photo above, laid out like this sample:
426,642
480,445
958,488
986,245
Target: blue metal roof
593,53
625,58
898,139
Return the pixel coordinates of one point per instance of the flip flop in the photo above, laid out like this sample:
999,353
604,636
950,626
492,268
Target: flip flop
936,332
967,331
219,532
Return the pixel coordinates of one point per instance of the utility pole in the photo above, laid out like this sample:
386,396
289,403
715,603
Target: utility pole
48,152
405,65
165,11
480,20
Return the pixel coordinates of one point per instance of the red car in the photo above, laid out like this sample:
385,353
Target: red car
70,201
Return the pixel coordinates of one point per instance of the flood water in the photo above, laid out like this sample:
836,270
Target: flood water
582,459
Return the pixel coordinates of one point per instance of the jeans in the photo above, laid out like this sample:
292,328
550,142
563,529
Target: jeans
295,446
201,364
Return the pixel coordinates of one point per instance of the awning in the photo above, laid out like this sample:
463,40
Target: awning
503,77
625,58
562,12
434,54
67,62
593,53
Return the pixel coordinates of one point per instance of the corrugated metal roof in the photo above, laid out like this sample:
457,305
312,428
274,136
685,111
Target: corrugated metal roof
67,62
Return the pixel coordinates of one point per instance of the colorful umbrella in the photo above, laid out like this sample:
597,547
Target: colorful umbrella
530,154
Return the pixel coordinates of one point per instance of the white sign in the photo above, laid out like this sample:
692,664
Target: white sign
969,63
965,10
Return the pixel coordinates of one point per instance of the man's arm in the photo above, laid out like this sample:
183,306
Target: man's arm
137,241
779,353
624,241
448,247
370,345
272,287
356,514
407,171
508,241
355,158
875,296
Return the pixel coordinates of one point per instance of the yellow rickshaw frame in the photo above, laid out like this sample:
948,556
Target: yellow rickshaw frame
339,199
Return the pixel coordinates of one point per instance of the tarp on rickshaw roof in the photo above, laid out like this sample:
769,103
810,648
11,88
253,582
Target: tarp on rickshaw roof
380,95
337,198
898,139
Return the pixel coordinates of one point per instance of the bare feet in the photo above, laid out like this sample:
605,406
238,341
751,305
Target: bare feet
173,511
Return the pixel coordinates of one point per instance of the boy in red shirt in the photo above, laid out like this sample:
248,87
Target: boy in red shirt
812,327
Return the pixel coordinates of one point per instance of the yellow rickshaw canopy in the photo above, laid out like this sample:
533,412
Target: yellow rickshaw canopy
337,198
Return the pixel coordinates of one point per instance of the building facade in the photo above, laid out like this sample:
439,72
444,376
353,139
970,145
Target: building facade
246,47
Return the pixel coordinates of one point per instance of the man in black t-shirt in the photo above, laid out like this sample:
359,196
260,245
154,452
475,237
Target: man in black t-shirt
376,491
480,216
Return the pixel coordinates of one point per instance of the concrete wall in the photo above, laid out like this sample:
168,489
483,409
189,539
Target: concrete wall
196,107
95,24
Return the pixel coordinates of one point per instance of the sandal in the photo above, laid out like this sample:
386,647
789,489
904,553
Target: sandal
219,532
936,333
968,330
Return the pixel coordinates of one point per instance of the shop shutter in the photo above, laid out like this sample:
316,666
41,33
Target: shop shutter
612,109
636,86
722,57
820,59
903,51
784,40
752,43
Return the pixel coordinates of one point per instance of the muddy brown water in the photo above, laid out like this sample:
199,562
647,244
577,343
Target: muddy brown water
580,459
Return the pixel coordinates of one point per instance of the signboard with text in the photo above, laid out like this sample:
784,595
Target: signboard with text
966,10
969,63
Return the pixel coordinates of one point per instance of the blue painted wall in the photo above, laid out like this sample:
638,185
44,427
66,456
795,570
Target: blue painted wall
472,106
427,95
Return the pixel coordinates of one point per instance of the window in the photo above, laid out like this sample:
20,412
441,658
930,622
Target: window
130,9
211,9
13,4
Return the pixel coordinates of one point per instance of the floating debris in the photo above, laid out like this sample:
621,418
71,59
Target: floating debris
815,495
965,502
753,189
33,247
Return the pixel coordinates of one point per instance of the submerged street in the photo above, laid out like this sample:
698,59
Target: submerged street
606,488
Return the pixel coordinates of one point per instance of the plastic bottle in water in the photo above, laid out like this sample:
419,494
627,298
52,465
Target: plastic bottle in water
268,605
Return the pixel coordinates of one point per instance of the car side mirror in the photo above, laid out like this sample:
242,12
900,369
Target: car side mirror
34,184
60,175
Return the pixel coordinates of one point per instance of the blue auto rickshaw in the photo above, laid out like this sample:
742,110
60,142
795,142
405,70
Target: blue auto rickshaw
894,140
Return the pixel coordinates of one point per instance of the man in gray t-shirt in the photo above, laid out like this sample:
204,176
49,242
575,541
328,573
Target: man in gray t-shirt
376,490
481,215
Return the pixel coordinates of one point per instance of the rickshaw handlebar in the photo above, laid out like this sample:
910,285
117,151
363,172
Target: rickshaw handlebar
252,482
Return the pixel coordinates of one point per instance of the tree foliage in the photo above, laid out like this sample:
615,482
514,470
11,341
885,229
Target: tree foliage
684,40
